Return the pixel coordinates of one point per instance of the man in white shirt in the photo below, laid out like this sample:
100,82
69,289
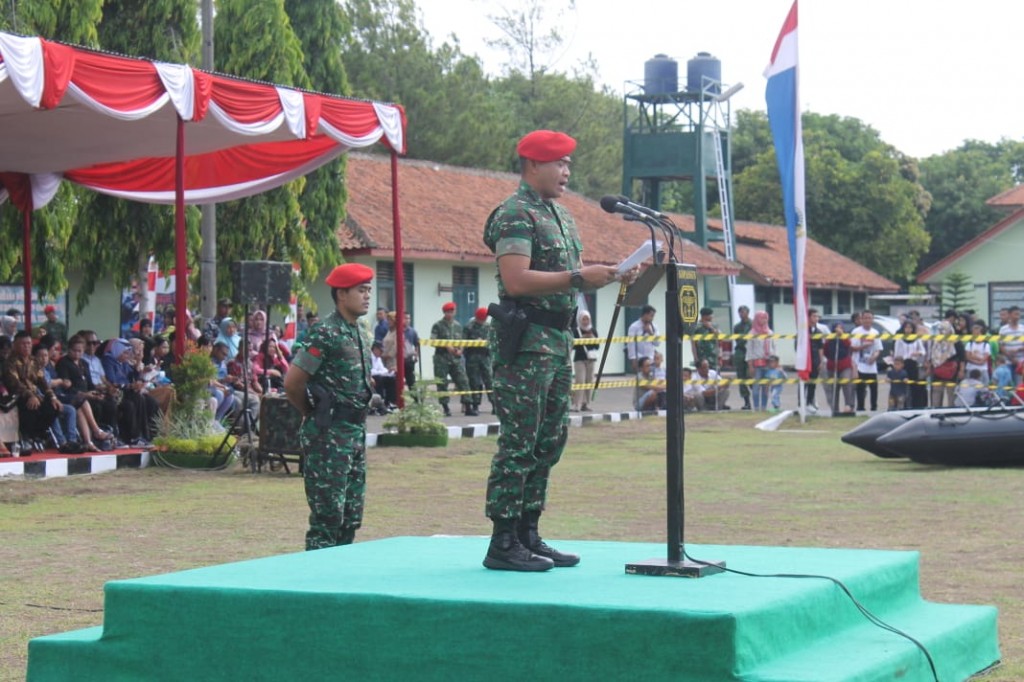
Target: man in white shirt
644,326
713,394
866,349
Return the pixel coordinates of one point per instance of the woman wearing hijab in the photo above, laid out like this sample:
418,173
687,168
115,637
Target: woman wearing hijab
136,410
945,365
229,336
583,358
839,363
257,331
758,352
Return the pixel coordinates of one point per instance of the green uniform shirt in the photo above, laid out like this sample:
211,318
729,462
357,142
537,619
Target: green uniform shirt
527,225
442,329
336,354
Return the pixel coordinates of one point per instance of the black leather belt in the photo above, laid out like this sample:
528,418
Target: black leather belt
547,318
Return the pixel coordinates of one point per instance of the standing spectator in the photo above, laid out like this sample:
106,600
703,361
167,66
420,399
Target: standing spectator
1013,347
412,350
776,376
839,362
448,359
584,357
898,389
867,348
739,354
707,348
978,352
816,333
55,329
211,330
911,351
759,349
642,326
478,361
944,365
380,327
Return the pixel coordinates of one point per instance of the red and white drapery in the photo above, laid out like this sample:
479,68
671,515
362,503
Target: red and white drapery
118,125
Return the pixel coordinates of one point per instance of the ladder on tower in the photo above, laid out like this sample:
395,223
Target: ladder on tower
723,200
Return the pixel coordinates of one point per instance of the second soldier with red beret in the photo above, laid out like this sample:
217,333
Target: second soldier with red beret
478,361
448,360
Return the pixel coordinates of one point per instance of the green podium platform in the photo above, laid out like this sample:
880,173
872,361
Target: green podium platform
423,608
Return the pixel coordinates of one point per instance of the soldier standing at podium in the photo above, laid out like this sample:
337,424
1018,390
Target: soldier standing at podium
329,384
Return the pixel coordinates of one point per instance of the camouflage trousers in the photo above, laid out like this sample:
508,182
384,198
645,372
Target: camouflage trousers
445,366
481,378
334,469
531,397
739,361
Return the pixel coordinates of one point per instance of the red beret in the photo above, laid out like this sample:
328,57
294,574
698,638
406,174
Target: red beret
545,145
449,306
481,314
49,309
349,275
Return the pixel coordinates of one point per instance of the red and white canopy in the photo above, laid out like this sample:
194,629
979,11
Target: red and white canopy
108,122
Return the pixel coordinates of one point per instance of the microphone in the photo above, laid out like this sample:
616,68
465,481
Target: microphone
641,208
613,204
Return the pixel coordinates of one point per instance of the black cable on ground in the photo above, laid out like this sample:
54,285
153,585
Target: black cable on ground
872,618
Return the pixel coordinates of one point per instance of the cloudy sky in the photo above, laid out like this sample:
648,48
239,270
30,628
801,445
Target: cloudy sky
926,75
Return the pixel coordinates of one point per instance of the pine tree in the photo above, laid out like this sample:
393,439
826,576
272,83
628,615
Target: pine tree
957,292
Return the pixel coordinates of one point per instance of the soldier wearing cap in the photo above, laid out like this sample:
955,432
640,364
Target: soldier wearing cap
538,251
55,329
478,361
448,360
329,384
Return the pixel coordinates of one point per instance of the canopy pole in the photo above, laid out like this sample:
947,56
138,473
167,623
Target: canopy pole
26,264
396,226
180,255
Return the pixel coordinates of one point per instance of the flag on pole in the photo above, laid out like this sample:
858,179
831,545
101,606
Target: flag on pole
783,97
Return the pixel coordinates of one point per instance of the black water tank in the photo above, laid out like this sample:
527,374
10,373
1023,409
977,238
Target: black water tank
704,65
661,75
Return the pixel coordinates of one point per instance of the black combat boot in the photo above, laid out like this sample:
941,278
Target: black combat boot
505,553
347,536
447,411
532,540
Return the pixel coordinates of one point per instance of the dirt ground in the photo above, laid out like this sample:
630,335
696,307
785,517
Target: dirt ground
62,539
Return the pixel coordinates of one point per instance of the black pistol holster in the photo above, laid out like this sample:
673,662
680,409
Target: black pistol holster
322,401
512,321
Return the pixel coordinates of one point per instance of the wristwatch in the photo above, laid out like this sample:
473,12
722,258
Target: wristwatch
576,280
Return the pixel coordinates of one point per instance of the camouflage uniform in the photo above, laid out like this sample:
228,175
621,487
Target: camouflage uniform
446,364
531,394
336,355
478,362
739,358
705,349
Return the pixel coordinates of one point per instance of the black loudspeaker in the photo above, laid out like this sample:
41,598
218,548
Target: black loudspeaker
262,281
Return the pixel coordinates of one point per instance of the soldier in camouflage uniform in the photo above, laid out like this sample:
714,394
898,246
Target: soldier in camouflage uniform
448,359
739,354
705,349
538,251
329,384
478,361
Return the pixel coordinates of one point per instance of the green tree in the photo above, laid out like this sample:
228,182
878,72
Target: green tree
960,181
863,197
255,39
52,226
321,26
166,30
957,292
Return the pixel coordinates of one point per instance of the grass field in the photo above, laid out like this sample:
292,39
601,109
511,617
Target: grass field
62,539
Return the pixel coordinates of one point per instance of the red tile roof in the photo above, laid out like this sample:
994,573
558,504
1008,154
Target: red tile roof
443,209
1012,198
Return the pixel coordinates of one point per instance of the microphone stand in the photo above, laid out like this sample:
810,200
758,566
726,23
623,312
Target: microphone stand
676,564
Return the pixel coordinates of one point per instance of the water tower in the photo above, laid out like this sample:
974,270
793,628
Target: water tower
680,135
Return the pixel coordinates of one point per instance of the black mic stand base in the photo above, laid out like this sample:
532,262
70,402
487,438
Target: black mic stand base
675,569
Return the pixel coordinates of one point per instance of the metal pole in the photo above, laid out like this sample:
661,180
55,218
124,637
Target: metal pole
208,227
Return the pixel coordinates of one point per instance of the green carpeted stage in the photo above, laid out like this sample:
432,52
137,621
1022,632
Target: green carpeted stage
423,608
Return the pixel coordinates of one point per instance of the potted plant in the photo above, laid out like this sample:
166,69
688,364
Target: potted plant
189,437
419,423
